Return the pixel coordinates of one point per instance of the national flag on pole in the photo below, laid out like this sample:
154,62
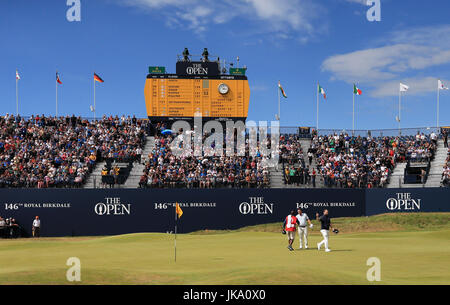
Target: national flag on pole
282,90
17,75
321,91
356,90
403,87
178,210
58,80
441,85
98,78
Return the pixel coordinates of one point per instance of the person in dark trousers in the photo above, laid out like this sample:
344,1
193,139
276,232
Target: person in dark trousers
14,228
313,178
2,228
36,229
325,226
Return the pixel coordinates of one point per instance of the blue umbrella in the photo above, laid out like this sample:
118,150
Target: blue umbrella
166,132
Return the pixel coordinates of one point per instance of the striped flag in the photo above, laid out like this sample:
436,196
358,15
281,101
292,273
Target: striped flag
322,91
58,80
17,75
282,90
356,90
98,78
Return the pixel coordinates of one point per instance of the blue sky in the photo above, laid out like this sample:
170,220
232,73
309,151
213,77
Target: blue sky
298,42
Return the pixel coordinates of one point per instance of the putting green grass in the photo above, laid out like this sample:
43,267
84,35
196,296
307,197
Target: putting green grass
413,249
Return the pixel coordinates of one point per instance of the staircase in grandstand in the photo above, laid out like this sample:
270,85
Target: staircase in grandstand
94,179
435,176
138,167
277,175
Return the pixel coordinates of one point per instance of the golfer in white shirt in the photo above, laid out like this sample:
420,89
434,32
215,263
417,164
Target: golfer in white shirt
303,221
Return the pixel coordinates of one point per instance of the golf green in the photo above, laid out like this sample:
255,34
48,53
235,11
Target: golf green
257,255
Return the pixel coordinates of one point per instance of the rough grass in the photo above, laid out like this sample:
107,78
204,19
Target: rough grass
413,249
379,223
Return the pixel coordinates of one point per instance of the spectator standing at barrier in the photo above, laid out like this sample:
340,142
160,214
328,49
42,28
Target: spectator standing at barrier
434,138
36,229
14,229
289,227
303,221
423,174
2,228
325,225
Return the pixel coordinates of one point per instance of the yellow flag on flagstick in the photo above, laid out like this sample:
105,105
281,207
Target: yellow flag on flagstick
178,210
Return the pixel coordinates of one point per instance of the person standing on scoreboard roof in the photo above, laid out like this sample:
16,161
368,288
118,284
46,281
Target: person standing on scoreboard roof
289,227
325,222
303,221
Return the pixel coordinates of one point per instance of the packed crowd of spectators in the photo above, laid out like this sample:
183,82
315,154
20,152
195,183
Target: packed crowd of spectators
46,152
358,162
420,148
353,162
164,169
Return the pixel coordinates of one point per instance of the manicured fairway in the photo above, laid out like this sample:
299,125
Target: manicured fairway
419,256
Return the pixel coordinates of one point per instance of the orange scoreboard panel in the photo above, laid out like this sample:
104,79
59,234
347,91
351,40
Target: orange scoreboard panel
189,97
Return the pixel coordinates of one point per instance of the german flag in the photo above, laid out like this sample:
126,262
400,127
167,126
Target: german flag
178,210
98,78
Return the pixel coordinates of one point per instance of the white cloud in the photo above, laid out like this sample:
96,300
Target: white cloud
404,55
364,2
272,16
417,86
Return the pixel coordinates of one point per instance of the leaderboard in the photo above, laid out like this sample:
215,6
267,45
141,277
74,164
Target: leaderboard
181,98
198,89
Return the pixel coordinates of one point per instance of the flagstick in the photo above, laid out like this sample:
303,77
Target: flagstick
176,222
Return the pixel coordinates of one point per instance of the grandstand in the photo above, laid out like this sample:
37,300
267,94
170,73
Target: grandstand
126,152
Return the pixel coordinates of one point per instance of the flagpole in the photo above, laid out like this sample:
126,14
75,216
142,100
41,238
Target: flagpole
353,113
95,107
17,97
317,119
399,112
279,103
437,109
56,83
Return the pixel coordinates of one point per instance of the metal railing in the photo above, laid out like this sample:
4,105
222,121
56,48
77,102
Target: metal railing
396,181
